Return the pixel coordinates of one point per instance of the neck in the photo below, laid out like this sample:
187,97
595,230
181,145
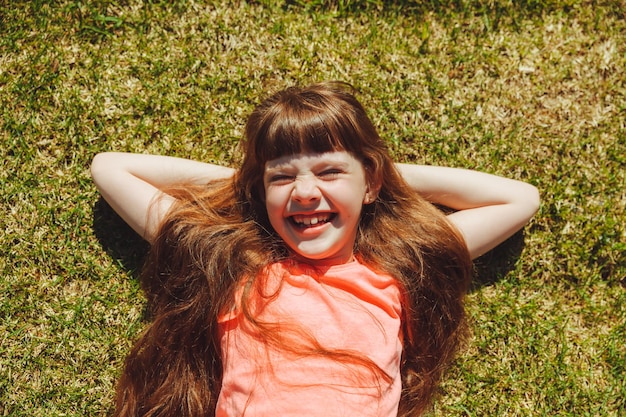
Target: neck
324,262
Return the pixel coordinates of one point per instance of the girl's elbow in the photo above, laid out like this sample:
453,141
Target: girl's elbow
534,199
97,165
100,159
102,164
528,204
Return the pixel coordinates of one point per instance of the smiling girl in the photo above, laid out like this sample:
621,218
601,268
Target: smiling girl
318,279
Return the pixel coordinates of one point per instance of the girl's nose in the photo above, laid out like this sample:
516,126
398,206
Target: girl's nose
306,190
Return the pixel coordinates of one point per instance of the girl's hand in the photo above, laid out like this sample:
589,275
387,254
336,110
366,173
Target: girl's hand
132,184
489,209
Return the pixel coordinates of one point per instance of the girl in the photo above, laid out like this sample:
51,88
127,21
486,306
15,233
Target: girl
318,279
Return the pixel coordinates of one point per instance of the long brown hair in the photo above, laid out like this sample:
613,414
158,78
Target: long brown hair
218,235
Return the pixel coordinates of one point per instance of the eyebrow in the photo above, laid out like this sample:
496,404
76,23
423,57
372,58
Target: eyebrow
315,166
276,168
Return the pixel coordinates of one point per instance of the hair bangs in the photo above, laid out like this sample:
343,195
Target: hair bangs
305,129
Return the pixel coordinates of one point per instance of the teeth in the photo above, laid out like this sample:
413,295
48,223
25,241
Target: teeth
311,220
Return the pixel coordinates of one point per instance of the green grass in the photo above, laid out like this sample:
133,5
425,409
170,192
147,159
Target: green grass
533,90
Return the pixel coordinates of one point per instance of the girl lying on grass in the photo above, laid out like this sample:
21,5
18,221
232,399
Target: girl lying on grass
318,279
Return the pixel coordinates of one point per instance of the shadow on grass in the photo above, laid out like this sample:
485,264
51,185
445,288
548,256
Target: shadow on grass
497,263
118,239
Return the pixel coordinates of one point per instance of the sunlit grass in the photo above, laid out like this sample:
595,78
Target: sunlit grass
534,90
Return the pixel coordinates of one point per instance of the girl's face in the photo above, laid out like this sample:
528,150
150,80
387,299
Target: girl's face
314,203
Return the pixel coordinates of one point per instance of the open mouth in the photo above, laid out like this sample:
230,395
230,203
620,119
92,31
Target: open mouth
306,221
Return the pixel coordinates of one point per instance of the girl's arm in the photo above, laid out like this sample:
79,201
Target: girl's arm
132,184
490,209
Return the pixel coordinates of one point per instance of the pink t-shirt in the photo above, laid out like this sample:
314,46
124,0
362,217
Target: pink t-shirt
344,307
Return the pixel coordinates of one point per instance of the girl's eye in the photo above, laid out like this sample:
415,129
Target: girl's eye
329,173
281,179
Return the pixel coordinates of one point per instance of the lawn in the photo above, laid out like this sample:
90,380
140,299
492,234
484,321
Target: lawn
534,90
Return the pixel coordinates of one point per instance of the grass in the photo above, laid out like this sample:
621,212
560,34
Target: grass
533,90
